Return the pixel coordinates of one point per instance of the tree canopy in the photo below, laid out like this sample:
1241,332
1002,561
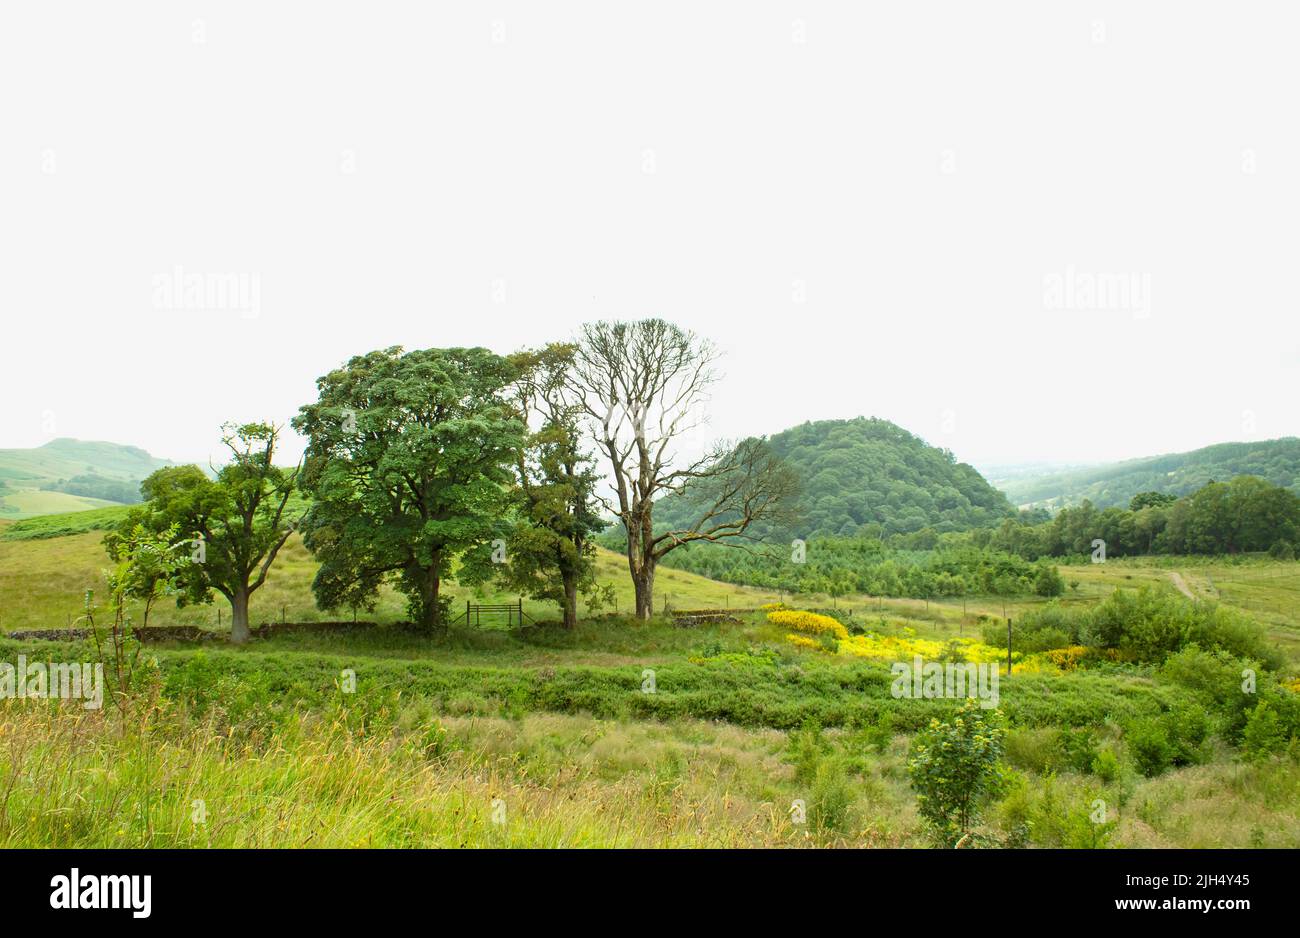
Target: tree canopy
238,521
408,460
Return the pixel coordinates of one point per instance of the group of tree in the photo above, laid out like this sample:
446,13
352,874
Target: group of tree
426,465
839,566
93,485
1247,514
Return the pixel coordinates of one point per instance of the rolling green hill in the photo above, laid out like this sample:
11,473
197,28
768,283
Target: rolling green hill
870,475
1115,484
67,475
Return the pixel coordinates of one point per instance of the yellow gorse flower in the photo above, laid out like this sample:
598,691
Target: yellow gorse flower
810,623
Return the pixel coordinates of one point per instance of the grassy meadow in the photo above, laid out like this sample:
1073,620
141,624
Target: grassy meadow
545,737
19,504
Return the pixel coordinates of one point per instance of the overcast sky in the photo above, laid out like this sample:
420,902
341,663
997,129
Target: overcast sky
1024,231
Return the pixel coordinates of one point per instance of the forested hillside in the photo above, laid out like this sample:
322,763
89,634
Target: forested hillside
871,476
1114,485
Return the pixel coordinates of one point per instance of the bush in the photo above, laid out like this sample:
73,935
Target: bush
1049,582
831,799
1085,826
1038,630
1105,765
1176,737
1151,624
805,751
1078,749
1187,728
1035,749
881,734
1149,745
953,765
1264,733
810,623
1282,550
1232,688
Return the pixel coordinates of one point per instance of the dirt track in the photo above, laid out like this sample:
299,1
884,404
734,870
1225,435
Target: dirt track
1181,584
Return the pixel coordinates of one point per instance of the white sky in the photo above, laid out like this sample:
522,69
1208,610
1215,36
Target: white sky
921,173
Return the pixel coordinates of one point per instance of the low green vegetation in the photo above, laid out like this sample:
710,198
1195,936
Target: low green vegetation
60,525
843,566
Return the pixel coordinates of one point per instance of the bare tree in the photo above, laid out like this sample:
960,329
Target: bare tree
643,385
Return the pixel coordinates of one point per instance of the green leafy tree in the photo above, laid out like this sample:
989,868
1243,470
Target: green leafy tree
146,567
551,549
952,765
408,460
236,523
1151,500
1048,582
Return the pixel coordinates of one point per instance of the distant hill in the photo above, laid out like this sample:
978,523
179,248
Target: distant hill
872,475
1114,484
71,475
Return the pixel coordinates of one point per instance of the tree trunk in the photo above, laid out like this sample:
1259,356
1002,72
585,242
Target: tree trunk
239,617
643,581
429,598
641,561
570,601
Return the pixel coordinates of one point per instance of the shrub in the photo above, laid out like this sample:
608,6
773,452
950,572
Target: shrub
1187,728
881,734
1148,744
953,764
1151,624
1105,765
1038,750
831,799
1232,688
1264,733
805,751
1073,657
1282,550
1086,826
810,623
1078,749
1052,626
1048,582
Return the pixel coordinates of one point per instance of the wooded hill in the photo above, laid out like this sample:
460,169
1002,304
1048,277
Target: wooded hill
870,476
1178,474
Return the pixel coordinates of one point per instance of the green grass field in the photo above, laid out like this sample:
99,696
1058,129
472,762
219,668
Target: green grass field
43,582
556,729
18,504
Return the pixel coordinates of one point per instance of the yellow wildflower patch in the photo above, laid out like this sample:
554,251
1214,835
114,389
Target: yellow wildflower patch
903,648
810,623
803,641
